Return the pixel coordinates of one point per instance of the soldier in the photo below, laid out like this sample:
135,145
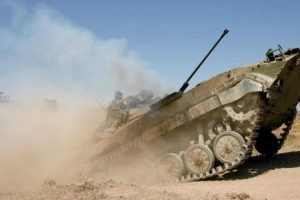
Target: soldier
116,111
118,102
144,98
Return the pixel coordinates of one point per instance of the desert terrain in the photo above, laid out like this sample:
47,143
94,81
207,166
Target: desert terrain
259,178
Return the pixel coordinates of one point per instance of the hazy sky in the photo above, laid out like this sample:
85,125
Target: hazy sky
166,38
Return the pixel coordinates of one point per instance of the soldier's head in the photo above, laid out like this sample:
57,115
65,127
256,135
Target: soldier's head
118,95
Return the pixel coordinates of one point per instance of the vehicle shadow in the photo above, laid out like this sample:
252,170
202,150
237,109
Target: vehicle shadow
258,165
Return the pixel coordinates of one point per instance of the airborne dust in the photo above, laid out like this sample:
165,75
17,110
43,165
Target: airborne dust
44,56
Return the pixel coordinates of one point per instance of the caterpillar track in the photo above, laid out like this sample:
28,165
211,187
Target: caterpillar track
244,154
214,127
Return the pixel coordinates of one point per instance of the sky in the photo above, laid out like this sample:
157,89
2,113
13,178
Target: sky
134,44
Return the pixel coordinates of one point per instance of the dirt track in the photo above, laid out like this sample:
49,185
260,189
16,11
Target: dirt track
273,179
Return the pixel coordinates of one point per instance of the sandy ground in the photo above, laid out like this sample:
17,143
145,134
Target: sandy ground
273,179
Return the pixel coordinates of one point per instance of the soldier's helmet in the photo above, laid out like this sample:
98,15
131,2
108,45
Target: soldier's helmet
118,95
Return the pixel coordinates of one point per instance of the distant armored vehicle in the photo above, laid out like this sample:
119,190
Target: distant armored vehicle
3,98
50,104
214,127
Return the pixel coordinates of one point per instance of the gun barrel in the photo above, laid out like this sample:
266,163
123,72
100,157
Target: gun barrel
186,83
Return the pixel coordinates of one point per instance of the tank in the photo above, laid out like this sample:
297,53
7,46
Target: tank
215,126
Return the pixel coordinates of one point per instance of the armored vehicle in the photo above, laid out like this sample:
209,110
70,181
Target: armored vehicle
3,98
215,126
50,104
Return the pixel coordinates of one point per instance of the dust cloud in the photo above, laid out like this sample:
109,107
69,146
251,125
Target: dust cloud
37,143
45,56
